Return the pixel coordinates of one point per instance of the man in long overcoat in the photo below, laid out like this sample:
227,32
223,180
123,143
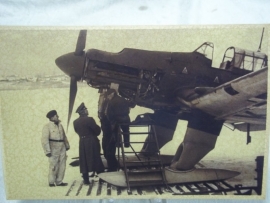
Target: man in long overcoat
89,146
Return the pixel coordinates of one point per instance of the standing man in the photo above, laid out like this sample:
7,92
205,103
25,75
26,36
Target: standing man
55,145
108,141
118,114
89,146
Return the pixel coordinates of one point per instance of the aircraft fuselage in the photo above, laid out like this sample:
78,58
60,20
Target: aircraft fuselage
154,79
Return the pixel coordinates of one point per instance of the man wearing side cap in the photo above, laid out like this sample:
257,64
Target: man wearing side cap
89,146
55,145
117,112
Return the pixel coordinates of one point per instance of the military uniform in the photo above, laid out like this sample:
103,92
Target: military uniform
89,146
118,113
108,142
55,144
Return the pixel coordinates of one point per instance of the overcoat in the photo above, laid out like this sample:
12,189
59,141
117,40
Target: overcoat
89,146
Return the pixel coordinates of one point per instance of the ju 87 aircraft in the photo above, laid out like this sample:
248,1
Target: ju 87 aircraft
178,85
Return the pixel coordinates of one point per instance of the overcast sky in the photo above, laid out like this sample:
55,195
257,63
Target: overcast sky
32,51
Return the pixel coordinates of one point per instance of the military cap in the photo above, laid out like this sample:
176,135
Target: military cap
51,114
80,108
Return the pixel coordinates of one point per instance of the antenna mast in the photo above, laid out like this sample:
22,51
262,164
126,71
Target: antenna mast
259,49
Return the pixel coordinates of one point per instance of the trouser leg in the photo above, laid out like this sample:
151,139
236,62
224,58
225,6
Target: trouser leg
85,177
52,169
111,159
61,168
125,129
110,153
106,129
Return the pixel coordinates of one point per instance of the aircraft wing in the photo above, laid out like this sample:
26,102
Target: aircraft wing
239,101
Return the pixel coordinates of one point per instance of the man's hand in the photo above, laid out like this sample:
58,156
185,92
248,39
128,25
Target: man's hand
49,154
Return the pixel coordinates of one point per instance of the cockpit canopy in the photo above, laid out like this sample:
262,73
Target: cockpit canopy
236,58
206,49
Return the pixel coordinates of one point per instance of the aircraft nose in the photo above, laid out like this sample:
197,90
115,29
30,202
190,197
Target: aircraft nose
71,64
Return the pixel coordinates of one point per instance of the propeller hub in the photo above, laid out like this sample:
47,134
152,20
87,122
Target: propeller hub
71,64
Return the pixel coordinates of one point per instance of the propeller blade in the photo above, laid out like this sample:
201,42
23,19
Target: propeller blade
80,43
72,96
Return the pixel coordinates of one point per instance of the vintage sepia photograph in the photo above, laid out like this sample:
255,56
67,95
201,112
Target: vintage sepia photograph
134,112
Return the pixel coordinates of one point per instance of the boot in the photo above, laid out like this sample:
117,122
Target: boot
85,178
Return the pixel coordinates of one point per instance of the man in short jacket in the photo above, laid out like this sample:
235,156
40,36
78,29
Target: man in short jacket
55,145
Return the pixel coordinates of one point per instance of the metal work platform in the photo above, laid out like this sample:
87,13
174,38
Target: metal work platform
132,177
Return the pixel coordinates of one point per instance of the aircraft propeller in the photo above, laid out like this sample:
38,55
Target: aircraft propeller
73,64
81,43
72,96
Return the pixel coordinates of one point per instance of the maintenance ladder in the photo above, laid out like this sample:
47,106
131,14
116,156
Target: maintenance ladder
145,172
